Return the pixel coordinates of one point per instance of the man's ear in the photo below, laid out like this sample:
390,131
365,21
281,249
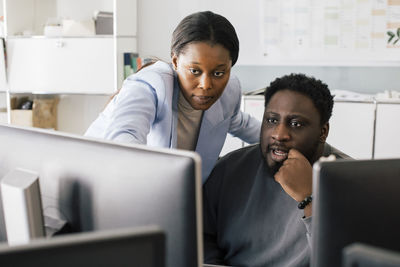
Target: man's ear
324,133
175,62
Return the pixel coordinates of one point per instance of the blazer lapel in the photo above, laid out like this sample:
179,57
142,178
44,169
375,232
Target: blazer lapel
211,118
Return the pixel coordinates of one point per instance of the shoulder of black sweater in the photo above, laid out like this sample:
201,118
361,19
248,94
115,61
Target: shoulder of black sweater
244,159
248,153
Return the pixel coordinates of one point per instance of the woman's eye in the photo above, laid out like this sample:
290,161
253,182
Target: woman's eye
194,71
219,73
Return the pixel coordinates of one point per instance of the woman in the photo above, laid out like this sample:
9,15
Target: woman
190,104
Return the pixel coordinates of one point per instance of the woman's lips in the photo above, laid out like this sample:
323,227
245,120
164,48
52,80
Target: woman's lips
202,100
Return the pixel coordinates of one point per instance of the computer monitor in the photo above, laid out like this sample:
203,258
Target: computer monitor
22,206
363,255
98,185
354,201
142,247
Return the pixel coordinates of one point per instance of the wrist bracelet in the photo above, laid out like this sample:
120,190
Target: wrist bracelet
305,202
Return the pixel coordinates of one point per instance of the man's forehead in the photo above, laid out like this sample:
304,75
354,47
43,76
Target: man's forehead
292,103
290,97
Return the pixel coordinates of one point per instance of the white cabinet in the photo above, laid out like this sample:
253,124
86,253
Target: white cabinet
253,105
76,66
387,143
65,65
352,127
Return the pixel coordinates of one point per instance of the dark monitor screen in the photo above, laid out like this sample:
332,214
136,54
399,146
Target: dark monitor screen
143,247
354,201
362,255
99,185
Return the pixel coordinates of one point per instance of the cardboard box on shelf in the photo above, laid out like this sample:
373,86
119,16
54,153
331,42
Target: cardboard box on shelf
103,22
21,117
42,115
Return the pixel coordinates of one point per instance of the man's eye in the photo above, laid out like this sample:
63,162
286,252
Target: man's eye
271,121
194,71
295,124
219,73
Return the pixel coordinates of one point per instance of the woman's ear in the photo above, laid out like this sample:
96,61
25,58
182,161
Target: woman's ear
175,62
324,133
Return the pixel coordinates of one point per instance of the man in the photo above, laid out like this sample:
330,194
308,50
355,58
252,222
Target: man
257,205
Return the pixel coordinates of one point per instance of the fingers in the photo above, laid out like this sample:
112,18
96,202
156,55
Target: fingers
295,175
294,153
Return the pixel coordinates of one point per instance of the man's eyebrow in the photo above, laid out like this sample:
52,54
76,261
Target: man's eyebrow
298,116
290,116
272,113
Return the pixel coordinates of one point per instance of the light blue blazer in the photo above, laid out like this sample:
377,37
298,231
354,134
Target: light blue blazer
146,112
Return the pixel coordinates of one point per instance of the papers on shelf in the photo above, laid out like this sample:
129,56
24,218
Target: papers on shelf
346,95
387,95
351,96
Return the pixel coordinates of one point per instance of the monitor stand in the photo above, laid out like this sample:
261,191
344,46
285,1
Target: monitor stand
22,206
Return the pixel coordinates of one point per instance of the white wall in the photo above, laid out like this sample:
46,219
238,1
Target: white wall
368,80
158,18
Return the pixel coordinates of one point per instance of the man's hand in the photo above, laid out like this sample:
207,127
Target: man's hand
295,176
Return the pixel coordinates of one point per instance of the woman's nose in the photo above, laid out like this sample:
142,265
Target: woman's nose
205,82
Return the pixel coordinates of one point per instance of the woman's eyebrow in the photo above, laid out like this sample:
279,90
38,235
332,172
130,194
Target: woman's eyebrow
198,63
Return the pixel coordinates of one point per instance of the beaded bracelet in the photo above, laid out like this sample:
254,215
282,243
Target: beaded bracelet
305,202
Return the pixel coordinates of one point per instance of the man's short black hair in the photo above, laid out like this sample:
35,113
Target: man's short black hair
315,89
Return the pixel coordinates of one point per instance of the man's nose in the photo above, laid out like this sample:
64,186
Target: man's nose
281,132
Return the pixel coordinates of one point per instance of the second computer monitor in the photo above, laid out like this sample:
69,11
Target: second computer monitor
363,255
136,247
354,201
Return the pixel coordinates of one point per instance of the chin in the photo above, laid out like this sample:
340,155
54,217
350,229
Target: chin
201,106
273,166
